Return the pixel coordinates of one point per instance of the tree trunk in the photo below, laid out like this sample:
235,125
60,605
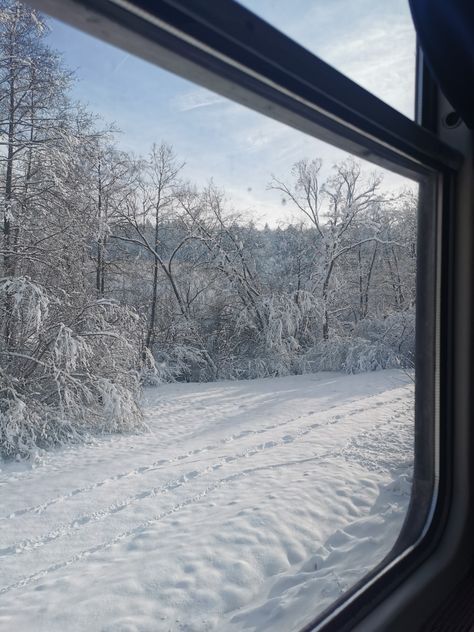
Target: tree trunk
99,280
367,285
8,241
150,336
151,325
325,294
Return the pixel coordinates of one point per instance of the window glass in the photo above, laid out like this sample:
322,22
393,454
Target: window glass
206,352
373,43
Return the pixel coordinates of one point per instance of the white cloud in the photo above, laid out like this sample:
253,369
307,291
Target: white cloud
198,98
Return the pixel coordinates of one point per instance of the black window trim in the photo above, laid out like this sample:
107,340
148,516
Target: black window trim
226,48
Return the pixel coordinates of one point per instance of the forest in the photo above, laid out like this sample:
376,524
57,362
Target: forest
118,272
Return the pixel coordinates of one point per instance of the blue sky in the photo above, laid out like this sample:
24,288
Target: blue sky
371,41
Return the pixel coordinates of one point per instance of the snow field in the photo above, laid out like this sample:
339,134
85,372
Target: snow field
246,506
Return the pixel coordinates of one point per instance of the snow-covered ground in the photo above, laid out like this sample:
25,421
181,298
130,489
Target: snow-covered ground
247,506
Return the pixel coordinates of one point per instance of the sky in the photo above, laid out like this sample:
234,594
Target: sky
373,42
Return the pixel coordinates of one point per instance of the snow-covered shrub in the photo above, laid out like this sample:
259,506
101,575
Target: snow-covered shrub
352,355
273,336
179,354
328,355
28,303
396,331
365,355
174,363
71,371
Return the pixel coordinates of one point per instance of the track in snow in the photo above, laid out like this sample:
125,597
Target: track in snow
270,468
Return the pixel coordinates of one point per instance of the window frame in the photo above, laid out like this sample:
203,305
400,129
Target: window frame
226,48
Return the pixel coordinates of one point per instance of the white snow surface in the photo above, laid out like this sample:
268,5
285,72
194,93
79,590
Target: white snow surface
246,506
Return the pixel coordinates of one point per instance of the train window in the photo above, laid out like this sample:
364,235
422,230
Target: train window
372,43
221,346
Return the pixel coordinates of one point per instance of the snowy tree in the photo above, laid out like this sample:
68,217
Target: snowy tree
60,375
331,210
32,85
